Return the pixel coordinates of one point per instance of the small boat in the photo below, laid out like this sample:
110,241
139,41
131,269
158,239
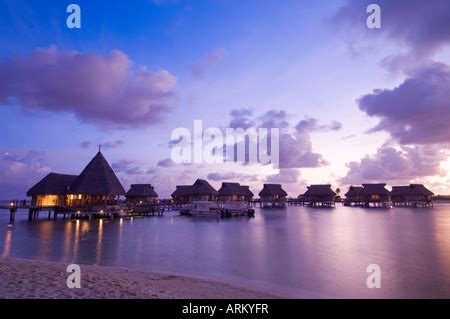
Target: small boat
221,209
205,208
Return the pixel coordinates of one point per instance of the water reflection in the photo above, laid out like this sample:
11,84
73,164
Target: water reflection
7,241
296,251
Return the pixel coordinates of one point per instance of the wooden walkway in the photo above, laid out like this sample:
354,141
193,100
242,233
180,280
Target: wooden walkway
96,212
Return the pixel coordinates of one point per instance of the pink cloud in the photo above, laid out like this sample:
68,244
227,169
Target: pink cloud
107,91
422,26
417,111
391,164
202,66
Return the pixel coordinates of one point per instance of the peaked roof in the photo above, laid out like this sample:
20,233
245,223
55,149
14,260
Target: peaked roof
52,184
229,189
97,178
374,189
354,191
200,187
272,189
144,190
413,189
182,190
319,190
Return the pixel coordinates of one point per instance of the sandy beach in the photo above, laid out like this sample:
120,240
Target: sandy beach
38,279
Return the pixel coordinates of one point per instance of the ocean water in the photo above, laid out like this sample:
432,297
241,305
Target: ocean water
294,252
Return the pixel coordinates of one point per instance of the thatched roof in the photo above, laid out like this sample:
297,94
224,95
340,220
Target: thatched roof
141,190
200,187
97,178
375,189
229,189
413,189
354,191
272,190
319,190
182,190
52,184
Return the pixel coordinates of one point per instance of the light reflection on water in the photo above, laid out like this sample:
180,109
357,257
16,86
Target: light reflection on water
295,252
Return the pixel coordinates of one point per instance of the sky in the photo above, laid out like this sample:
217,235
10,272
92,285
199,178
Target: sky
354,105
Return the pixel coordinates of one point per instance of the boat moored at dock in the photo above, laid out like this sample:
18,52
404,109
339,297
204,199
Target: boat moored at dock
219,209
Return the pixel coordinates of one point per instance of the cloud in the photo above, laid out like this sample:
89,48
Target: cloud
285,176
296,152
166,163
400,165
295,143
241,118
418,110
128,167
422,26
105,91
274,119
202,66
19,172
106,145
312,124
225,176
29,157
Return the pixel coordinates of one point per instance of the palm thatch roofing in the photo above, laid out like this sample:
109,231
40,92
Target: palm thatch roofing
97,178
200,187
229,189
375,189
272,190
411,190
320,190
52,184
354,191
141,190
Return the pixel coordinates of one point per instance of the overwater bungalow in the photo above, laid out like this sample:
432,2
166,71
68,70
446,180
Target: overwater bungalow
376,195
201,190
414,195
96,185
235,192
52,190
141,194
354,197
319,196
272,195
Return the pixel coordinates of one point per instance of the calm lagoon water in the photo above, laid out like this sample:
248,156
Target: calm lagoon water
295,252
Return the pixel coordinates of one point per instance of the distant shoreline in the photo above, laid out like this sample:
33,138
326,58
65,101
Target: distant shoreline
29,279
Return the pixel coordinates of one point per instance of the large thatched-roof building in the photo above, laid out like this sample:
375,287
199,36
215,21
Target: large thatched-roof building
142,194
201,190
52,190
235,192
369,195
354,196
319,195
272,195
412,195
96,185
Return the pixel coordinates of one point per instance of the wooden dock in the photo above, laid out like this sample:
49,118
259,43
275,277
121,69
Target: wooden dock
95,212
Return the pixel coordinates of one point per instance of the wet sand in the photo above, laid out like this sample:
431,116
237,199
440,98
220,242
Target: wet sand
40,279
